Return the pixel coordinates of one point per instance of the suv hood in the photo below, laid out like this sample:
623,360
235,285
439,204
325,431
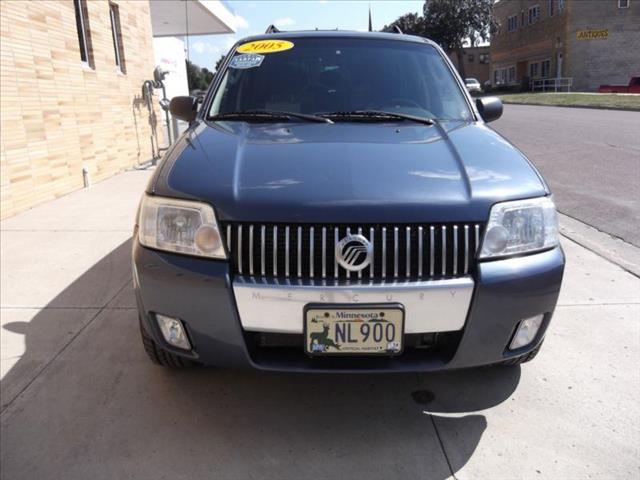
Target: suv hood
347,172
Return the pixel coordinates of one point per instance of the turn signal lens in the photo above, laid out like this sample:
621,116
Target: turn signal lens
208,238
495,240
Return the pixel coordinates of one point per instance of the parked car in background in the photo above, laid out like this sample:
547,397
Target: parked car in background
338,204
473,85
632,87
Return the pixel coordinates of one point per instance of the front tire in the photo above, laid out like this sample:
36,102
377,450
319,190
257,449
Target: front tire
160,356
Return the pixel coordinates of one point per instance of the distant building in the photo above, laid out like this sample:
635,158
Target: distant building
592,42
476,61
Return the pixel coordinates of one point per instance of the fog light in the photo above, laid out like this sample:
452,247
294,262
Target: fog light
173,331
527,331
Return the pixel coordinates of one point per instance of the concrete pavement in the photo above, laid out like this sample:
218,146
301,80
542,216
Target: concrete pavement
591,159
81,400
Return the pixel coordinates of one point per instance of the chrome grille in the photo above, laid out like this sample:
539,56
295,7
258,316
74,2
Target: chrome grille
306,251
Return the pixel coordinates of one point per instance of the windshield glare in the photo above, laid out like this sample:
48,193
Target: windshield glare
323,75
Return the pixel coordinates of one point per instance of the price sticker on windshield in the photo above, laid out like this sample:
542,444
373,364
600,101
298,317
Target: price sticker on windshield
246,60
265,46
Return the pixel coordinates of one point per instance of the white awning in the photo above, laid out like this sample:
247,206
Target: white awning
178,18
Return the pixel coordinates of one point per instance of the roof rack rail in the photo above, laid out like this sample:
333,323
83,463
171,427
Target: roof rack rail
272,29
398,29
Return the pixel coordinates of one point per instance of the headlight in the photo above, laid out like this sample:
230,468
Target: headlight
522,226
179,226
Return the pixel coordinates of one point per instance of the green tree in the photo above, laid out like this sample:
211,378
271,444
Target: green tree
410,23
219,62
193,75
198,77
207,76
450,23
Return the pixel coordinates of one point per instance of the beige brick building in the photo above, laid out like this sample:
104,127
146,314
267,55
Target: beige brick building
476,62
61,113
593,42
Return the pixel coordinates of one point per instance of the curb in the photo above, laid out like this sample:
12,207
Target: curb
590,107
616,250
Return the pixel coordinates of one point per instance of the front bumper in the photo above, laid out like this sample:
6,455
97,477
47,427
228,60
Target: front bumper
201,293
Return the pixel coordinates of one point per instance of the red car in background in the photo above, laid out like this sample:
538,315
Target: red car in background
633,87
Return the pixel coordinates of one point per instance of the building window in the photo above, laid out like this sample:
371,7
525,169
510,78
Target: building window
522,18
534,14
116,33
545,68
560,5
534,70
623,3
503,76
483,58
84,36
512,23
550,8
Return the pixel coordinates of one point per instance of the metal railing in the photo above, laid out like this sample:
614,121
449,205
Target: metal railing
551,84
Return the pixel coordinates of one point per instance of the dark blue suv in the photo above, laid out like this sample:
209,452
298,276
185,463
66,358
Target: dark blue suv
338,204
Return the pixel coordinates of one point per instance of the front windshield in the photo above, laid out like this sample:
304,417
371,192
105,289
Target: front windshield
325,75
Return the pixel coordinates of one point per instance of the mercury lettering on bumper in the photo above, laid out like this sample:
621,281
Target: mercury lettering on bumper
430,306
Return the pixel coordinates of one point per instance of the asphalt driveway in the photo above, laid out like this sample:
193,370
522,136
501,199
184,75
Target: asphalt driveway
591,159
80,399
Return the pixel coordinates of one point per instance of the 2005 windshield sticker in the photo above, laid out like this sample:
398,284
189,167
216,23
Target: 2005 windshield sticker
265,46
246,60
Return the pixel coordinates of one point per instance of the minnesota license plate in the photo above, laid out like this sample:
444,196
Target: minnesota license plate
353,330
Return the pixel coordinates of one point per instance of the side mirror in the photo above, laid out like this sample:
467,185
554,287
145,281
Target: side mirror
490,108
184,108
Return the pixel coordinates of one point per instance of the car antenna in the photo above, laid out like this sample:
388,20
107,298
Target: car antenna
398,29
272,29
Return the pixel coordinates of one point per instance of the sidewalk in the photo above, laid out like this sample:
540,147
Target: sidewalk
80,400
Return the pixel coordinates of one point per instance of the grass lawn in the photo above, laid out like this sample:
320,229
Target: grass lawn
602,100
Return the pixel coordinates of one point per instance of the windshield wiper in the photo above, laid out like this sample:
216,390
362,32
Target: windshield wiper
378,114
271,114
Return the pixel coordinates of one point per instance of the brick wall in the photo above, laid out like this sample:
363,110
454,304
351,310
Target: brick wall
472,66
611,60
530,42
589,62
58,115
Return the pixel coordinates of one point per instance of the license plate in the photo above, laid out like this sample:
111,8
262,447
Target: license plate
353,330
